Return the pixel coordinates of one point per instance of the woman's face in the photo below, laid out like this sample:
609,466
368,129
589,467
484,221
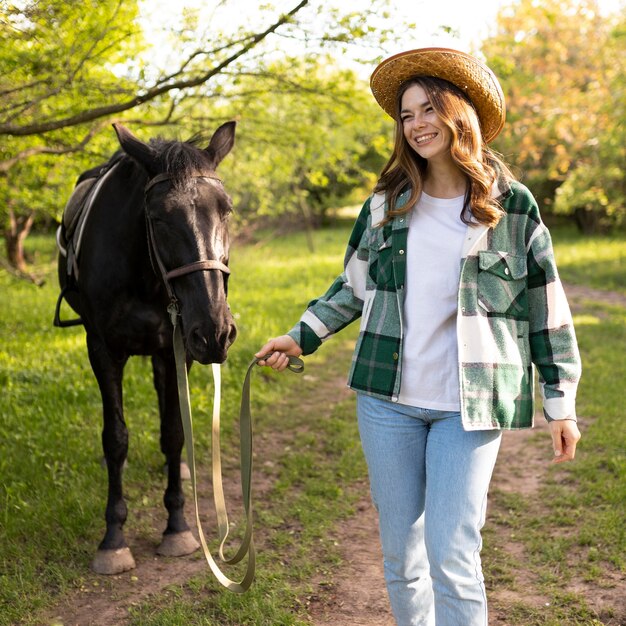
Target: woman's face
423,128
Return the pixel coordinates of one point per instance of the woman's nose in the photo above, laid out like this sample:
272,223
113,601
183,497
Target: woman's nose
418,122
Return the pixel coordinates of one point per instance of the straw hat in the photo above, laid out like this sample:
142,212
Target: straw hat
468,73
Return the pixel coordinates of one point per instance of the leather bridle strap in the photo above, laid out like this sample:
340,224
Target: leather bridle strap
245,425
196,267
160,178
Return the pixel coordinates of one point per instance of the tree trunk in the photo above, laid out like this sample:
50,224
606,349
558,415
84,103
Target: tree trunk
589,221
308,222
14,236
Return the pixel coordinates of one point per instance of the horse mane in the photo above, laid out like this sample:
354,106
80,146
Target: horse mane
181,159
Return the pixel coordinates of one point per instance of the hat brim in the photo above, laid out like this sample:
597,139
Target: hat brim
468,73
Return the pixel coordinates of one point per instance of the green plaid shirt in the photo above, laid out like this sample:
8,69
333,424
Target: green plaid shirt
512,314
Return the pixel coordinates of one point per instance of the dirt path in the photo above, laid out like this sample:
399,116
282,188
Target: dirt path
106,600
577,295
358,597
356,594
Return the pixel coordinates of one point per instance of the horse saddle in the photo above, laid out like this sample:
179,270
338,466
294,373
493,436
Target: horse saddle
70,231
76,213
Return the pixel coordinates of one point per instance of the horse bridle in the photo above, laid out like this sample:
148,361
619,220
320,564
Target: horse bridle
153,249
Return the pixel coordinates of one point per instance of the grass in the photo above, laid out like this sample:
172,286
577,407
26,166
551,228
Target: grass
595,261
52,487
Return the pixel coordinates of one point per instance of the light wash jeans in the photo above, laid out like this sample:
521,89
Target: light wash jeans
429,480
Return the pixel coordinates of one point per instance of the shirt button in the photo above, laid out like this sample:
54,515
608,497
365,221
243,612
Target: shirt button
506,271
395,356
400,251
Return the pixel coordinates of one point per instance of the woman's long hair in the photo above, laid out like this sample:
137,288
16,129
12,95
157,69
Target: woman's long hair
480,165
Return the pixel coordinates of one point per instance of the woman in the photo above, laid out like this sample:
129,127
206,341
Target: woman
452,273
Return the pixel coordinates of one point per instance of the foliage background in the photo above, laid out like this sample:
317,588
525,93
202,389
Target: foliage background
310,137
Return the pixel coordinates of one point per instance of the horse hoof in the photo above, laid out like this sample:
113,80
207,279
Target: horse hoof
178,544
113,561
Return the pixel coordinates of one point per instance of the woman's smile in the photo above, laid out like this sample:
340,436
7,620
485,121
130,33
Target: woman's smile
422,139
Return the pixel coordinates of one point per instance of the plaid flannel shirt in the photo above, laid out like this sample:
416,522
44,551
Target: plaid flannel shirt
512,314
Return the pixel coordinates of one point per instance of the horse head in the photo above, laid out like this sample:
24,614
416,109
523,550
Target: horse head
187,211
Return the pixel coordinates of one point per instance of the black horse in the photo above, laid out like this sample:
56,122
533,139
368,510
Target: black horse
156,234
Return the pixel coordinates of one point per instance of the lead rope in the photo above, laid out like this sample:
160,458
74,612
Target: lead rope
245,425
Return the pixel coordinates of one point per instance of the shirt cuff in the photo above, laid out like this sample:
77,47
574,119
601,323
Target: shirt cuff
304,336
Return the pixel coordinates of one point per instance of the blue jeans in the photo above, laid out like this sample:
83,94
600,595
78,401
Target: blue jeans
429,480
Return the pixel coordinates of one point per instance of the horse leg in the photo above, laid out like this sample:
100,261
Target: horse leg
177,538
113,555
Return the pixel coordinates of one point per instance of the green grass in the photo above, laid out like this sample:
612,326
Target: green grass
52,487
598,498
595,261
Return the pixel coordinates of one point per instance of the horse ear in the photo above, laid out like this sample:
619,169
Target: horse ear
222,142
135,148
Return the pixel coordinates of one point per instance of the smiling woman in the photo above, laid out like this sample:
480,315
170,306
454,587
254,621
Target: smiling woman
453,274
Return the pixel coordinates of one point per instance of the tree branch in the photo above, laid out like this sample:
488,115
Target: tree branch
7,164
150,94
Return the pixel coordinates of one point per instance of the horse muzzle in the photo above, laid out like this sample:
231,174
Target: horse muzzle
207,342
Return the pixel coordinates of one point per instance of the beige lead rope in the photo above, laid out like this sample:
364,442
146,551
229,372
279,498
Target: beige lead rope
245,426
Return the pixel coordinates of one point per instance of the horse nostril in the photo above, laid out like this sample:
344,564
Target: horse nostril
198,339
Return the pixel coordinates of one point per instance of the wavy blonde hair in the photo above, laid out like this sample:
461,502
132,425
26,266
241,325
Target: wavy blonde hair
479,163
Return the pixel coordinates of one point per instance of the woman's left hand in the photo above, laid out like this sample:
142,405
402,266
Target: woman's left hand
565,436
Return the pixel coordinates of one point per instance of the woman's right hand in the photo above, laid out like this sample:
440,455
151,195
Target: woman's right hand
277,352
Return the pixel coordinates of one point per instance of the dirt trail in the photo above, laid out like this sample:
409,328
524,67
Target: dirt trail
578,295
106,600
356,595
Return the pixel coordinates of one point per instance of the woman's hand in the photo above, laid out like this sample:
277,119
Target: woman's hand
279,350
565,436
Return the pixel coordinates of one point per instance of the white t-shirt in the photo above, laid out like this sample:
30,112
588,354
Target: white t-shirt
430,371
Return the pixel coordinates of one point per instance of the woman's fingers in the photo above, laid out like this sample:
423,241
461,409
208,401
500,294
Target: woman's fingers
565,436
275,353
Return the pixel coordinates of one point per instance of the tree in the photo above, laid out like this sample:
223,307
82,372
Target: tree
594,190
561,66
55,60
304,150
69,69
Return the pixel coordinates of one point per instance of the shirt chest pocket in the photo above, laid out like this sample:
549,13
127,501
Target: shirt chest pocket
502,283
381,266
